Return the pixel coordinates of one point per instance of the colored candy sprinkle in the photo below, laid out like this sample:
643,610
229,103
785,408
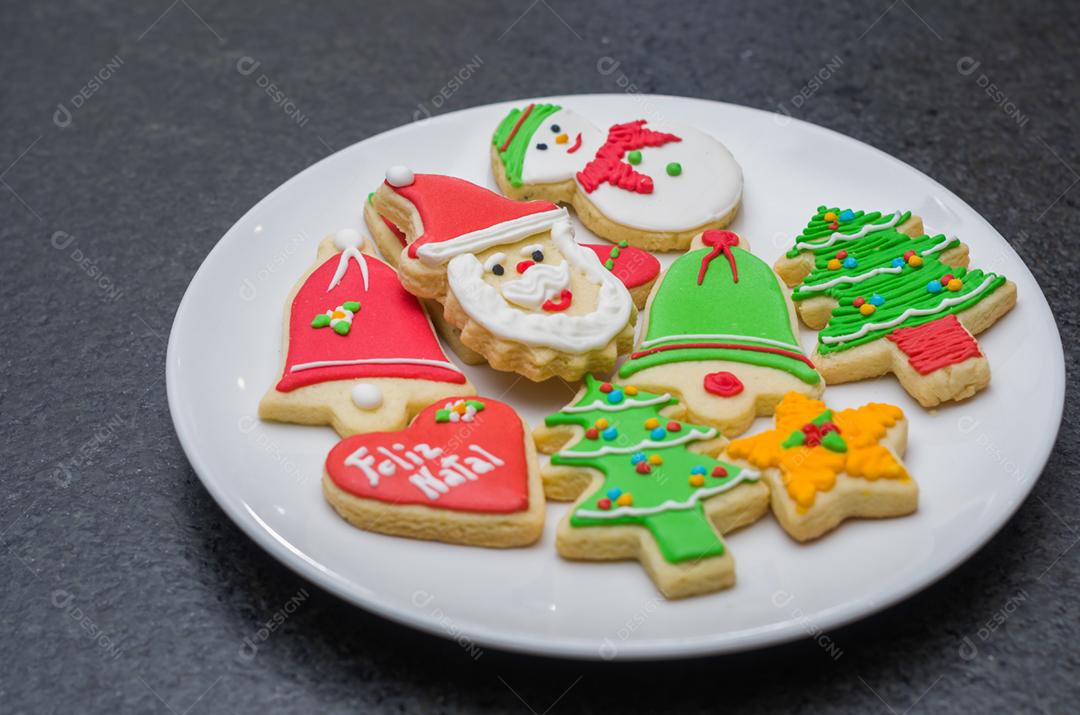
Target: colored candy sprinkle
830,216
592,433
615,397
615,251
673,426
908,255
605,387
915,261
624,244
834,225
934,286
834,264
611,433
697,470
643,468
847,215
630,390
697,480
850,262
658,433
604,504
955,284
602,423
946,278
637,458
652,423
609,264
897,262
634,157
674,168
858,302
614,493
625,499
719,472
841,254
877,299
656,459
867,308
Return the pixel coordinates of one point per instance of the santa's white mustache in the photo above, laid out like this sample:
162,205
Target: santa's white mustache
539,283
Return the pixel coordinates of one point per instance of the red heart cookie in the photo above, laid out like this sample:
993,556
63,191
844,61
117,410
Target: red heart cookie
464,454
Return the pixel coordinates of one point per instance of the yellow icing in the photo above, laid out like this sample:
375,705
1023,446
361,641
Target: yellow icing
808,470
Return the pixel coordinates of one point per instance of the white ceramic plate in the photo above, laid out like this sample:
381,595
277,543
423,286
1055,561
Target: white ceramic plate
974,462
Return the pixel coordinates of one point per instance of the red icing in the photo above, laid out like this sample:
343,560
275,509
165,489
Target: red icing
517,125
523,266
565,299
608,165
496,429
721,242
450,207
815,433
633,267
397,231
389,324
727,346
724,384
577,145
937,344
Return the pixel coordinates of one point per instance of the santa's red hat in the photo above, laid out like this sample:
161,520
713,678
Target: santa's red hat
460,217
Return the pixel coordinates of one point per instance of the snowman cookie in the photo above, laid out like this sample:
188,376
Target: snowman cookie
509,275
823,467
889,298
720,333
464,472
647,487
360,353
654,186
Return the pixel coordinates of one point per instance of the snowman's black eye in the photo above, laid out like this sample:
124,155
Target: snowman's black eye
497,269
555,128
538,256
541,146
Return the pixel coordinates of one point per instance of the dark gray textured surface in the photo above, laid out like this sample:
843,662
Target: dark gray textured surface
125,588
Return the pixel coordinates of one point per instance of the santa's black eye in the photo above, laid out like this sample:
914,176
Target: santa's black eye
541,146
538,256
555,128
497,269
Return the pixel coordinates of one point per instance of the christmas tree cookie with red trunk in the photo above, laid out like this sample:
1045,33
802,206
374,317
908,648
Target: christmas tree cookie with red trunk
823,467
360,353
654,185
720,333
889,298
647,487
509,275
464,472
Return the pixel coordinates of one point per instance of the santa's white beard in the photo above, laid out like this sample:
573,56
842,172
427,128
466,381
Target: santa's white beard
538,284
567,333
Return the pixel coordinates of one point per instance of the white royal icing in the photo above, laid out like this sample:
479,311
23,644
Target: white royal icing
435,254
539,283
367,396
568,333
399,176
708,188
556,163
692,434
374,361
347,238
838,236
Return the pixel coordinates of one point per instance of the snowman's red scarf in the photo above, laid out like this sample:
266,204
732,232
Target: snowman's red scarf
608,165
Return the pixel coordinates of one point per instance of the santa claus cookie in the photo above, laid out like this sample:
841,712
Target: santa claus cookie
509,275
720,333
889,298
360,353
652,185
464,472
646,488
823,467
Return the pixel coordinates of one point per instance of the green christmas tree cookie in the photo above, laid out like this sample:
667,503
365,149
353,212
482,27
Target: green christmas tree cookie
646,487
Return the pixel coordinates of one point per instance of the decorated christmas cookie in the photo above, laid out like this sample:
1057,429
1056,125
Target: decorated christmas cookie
652,185
823,467
464,472
720,333
360,353
509,275
889,301
646,488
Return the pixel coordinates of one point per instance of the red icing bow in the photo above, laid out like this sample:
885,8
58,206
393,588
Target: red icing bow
721,242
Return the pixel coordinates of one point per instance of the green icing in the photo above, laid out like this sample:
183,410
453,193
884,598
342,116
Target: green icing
681,529
514,156
903,290
819,230
753,308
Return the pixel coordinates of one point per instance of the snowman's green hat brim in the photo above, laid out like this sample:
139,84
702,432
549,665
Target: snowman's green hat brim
514,136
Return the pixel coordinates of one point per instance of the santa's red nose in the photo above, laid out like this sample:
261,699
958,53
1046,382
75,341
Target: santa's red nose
524,266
